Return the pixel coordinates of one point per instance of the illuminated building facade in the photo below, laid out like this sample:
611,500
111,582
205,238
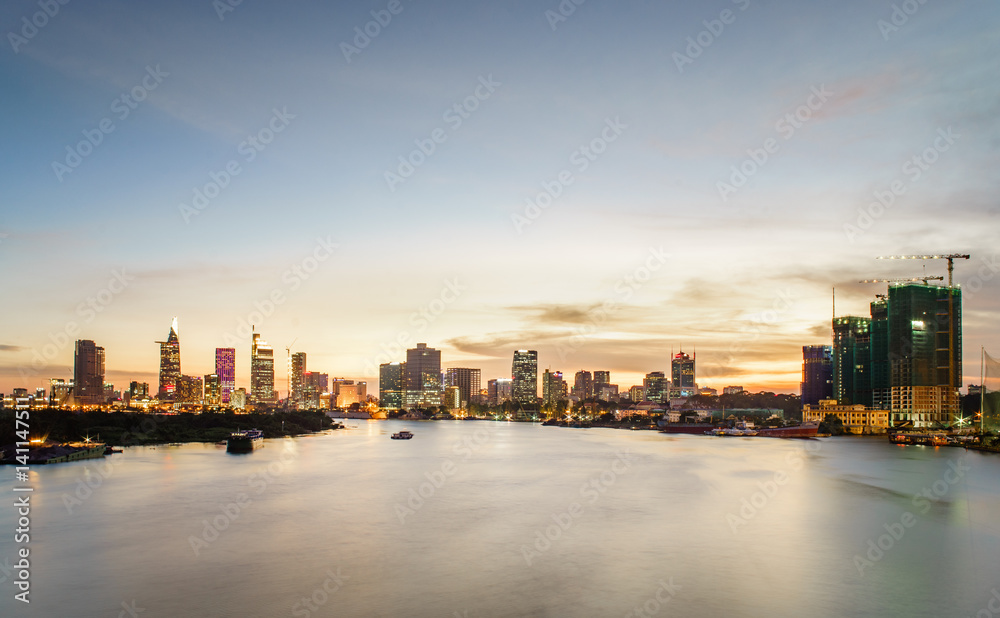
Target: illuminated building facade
682,372
392,385
296,377
225,368
817,374
468,382
656,387
499,391
525,372
88,373
213,390
170,364
583,385
852,360
554,387
261,371
423,377
189,390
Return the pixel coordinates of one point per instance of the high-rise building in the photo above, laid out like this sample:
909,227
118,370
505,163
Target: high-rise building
525,372
189,390
682,372
583,385
468,382
607,392
296,379
423,377
213,390
225,368
656,387
170,364
88,373
732,390
314,385
499,391
878,351
637,394
453,397
817,374
392,385
554,387
60,391
261,371
238,400
344,393
925,353
600,379
852,360
138,391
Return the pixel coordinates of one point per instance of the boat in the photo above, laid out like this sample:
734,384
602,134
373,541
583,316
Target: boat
805,430
51,452
245,441
402,435
698,429
109,450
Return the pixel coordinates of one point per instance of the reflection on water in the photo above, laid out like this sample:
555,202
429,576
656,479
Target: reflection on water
496,519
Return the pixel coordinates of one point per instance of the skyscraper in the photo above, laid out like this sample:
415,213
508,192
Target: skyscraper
880,380
225,368
467,380
682,372
925,353
170,364
554,387
423,377
817,373
88,373
583,385
213,390
499,390
655,387
525,372
852,360
296,379
261,371
391,385
601,379
189,390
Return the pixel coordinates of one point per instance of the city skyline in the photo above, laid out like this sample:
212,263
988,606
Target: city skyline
596,204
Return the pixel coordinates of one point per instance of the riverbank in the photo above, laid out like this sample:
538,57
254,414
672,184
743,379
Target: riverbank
138,429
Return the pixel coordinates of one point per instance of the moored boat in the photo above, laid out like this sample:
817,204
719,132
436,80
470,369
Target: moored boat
245,441
805,430
402,435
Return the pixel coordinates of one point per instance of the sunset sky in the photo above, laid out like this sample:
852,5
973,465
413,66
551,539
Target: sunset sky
651,239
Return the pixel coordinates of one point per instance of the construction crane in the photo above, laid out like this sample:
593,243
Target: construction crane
950,257
903,280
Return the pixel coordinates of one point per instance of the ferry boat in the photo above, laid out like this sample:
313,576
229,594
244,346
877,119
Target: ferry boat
805,430
402,435
245,441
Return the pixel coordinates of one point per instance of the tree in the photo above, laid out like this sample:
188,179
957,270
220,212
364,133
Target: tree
832,425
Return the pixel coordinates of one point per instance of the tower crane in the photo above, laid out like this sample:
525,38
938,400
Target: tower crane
903,280
951,257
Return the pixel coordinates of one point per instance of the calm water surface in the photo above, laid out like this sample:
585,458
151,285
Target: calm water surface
495,519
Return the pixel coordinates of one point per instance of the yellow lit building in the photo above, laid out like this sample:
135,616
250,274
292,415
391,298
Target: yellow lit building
856,418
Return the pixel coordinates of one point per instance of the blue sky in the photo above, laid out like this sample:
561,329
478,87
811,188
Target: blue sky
748,277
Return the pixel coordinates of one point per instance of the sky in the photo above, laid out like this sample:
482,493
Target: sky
604,182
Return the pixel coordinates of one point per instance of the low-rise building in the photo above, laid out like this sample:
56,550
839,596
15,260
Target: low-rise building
856,418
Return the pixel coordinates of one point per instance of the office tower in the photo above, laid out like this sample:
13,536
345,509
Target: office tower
391,385
238,400
138,390
607,392
423,377
525,371
852,361
468,382
682,373
297,369
170,364
499,391
738,390
925,353
656,387
583,385
225,368
554,387
314,384
453,397
88,373
344,393
880,380
601,378
261,371
817,374
637,394
109,392
189,390
60,391
213,390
